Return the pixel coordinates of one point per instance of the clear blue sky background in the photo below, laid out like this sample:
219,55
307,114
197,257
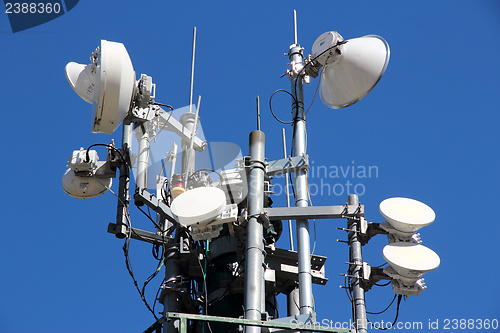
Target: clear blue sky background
430,127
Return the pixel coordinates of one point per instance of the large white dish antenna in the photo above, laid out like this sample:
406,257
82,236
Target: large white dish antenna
84,187
82,79
410,259
115,82
349,76
406,215
199,206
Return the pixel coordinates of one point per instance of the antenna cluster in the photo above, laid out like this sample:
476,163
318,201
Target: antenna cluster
217,237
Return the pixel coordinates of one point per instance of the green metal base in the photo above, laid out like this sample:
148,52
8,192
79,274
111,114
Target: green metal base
272,325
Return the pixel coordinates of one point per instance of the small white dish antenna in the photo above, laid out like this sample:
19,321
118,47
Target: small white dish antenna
411,260
407,215
82,79
84,187
351,69
115,82
199,206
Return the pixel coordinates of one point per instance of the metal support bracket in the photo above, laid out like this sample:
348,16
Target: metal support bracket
142,196
141,235
286,165
173,125
273,326
315,212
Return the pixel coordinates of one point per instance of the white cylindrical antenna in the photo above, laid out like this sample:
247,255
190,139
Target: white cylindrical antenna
295,27
173,160
192,72
290,231
190,157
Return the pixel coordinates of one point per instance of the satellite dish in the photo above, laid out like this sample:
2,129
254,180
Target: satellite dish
407,215
410,260
350,69
82,79
84,187
199,206
115,82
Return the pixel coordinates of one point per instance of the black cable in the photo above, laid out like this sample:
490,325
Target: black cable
150,218
157,292
382,285
206,291
395,319
131,272
165,105
271,108
380,312
312,61
87,159
228,286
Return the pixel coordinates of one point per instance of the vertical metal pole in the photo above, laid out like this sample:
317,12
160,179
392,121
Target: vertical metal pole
356,266
143,156
287,191
293,302
254,252
123,187
171,300
296,57
192,71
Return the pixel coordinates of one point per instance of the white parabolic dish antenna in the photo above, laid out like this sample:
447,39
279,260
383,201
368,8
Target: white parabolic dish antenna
115,82
410,259
198,206
84,187
82,79
349,76
407,215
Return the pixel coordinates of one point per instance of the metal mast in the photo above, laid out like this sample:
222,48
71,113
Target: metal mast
296,56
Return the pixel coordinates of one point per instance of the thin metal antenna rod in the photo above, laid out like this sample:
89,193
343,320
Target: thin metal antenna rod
258,113
295,27
192,72
295,54
290,231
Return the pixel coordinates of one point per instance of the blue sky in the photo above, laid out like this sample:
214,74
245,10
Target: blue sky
430,128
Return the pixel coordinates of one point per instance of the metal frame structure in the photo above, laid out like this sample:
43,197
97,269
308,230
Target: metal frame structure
211,268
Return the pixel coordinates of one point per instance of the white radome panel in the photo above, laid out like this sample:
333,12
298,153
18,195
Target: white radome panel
347,78
407,215
82,79
200,205
84,187
409,259
115,82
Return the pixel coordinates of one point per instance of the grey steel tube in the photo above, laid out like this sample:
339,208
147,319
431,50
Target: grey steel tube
124,183
171,301
356,266
285,154
301,198
188,121
254,252
142,134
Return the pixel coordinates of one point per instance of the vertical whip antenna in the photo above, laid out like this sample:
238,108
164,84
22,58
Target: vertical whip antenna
295,27
258,113
192,72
